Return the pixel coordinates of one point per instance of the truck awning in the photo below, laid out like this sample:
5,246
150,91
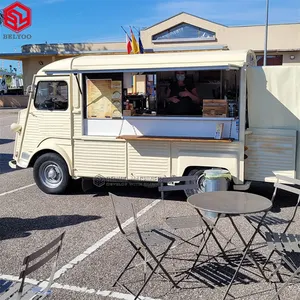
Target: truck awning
200,68
209,60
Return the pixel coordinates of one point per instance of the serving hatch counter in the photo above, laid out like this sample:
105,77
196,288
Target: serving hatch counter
163,128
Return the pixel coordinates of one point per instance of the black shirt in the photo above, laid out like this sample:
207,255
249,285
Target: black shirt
186,105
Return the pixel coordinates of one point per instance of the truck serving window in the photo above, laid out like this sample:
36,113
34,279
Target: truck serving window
51,95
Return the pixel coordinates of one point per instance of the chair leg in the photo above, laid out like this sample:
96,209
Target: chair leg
286,283
268,259
125,269
158,265
281,265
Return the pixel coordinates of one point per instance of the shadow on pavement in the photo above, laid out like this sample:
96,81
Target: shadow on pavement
4,167
150,191
126,189
18,227
282,199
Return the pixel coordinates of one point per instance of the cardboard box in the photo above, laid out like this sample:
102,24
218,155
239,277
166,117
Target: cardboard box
215,108
127,112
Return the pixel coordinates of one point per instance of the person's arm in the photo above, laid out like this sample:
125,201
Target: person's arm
194,95
173,99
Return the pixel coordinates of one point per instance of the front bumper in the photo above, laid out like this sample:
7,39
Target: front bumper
12,164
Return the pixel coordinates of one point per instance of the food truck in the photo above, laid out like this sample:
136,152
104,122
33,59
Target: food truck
111,117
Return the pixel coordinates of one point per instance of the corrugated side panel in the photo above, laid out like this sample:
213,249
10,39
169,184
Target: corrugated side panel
202,146
148,160
201,154
100,158
77,125
45,125
270,152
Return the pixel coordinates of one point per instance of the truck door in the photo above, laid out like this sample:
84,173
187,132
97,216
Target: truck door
49,114
273,108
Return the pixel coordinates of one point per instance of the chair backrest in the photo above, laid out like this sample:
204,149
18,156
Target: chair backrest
190,183
29,267
122,206
288,188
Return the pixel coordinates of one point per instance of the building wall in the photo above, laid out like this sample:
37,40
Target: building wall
289,61
32,65
280,37
69,47
285,36
146,35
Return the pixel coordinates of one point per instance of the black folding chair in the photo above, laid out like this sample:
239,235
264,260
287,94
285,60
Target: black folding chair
143,241
284,244
180,222
15,290
271,219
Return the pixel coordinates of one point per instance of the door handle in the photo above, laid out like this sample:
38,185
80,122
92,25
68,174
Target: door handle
31,113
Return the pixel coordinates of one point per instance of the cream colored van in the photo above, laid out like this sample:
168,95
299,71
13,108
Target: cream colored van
110,117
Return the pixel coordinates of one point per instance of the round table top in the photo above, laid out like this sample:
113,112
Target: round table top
226,202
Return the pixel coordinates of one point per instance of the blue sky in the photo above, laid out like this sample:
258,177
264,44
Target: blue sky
58,21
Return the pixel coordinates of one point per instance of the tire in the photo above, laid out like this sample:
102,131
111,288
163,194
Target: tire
51,173
201,182
200,173
1,93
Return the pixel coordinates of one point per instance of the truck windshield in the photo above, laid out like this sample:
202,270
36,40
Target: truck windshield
52,95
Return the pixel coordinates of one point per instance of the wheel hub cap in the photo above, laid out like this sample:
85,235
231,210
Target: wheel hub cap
51,174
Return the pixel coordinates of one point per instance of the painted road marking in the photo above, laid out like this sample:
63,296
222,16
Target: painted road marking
84,290
100,243
18,189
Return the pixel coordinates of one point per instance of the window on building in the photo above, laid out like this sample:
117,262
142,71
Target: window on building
51,95
272,60
184,32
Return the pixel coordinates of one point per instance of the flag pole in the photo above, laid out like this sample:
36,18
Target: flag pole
126,33
138,31
266,33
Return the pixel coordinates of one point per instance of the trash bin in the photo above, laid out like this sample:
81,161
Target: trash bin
215,180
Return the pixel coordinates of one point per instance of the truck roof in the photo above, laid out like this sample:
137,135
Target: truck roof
151,62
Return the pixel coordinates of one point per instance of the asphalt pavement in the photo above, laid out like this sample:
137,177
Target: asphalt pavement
94,251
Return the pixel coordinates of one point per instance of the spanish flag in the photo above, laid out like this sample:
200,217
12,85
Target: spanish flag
128,44
134,43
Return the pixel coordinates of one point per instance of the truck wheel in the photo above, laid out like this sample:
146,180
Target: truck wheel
200,182
51,174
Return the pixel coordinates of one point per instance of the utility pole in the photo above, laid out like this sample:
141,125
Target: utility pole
266,34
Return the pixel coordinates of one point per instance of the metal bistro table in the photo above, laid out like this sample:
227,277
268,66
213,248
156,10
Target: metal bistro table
230,204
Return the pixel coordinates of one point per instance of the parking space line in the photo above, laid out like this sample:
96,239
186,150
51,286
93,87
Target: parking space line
18,189
71,288
100,243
